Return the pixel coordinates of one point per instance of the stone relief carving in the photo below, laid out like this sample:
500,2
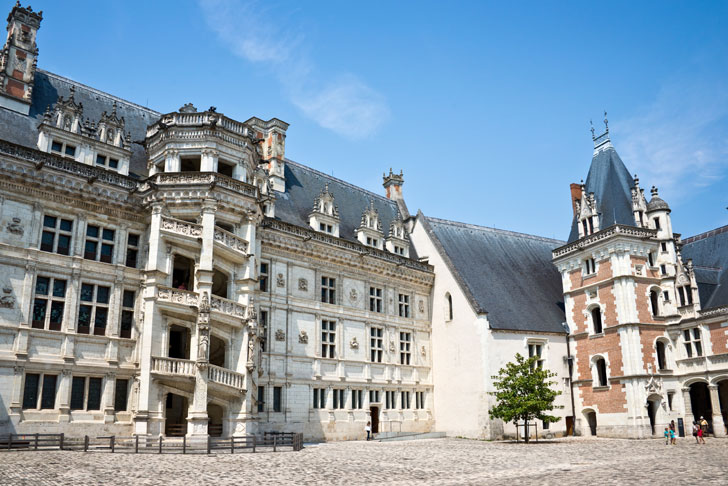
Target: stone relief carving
303,337
392,347
423,351
280,280
7,300
15,227
203,346
354,344
280,335
421,306
303,284
353,295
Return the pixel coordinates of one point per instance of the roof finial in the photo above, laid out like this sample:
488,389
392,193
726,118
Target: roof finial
592,130
636,181
653,191
606,122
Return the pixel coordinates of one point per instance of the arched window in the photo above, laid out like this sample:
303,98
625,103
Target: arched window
601,367
448,304
654,301
661,357
597,320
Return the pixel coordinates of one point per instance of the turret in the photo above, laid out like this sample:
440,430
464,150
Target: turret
18,59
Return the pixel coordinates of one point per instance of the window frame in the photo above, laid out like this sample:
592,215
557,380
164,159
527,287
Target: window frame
328,290
264,276
101,242
319,398
405,347
132,248
328,338
64,148
376,299
57,233
39,390
95,305
376,344
126,312
601,373
537,348
419,400
693,341
277,399
86,393
49,298
403,305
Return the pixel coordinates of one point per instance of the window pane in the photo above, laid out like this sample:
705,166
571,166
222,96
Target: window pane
131,258
101,160
84,319
87,293
41,285
128,300
56,316
64,244
113,163
46,241
39,312
122,387
70,150
92,231
102,294
90,250
49,221
56,146
133,240
59,288
66,225
108,234
696,333
127,318
30,392
48,399
94,394
106,252
100,320
77,392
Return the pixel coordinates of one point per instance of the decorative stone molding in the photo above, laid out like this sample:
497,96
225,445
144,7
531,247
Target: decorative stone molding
353,295
354,344
177,296
230,240
303,337
7,299
303,284
423,351
181,227
280,280
229,307
616,229
280,335
15,227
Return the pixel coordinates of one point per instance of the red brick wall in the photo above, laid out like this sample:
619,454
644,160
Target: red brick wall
718,338
644,314
647,271
604,271
613,400
647,339
607,345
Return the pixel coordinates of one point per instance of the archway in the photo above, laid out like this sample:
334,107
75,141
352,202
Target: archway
217,351
653,405
175,414
700,402
591,420
723,399
214,420
219,284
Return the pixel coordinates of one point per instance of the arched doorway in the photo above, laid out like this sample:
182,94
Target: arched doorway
175,414
700,401
591,420
217,351
214,420
653,405
723,399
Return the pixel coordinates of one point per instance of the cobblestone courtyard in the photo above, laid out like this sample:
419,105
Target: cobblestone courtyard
437,461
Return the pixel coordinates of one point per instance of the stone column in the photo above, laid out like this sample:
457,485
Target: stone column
208,162
197,414
718,425
107,398
17,397
64,396
688,407
171,161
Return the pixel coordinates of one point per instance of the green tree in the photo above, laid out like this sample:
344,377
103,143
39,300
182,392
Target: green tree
523,393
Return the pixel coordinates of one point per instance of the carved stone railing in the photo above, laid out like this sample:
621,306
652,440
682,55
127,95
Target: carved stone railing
617,229
716,311
718,358
224,376
90,172
227,306
173,366
180,227
310,234
231,241
177,296
198,119
164,179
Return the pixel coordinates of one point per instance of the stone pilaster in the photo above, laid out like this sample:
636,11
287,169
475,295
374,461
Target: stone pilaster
718,425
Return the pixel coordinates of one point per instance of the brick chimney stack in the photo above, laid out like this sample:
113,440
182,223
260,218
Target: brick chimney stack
18,59
575,195
393,186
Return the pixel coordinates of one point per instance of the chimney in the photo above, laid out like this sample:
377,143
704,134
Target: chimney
393,186
18,59
575,195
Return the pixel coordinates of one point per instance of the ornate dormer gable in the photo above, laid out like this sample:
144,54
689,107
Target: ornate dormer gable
686,286
19,58
325,215
267,199
639,204
397,241
270,139
586,213
369,231
64,132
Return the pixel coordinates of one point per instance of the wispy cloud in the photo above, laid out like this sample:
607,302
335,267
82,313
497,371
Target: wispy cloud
343,104
679,142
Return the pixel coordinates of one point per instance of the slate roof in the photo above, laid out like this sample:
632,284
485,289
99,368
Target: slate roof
303,186
23,130
709,252
509,276
611,184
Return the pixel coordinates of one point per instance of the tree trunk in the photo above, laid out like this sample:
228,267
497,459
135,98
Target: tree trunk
525,430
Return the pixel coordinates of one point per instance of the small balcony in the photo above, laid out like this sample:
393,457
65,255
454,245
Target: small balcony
177,302
181,232
229,379
230,246
227,311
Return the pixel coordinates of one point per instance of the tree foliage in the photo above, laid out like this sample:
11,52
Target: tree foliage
523,392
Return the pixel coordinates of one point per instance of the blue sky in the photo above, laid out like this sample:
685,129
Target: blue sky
485,106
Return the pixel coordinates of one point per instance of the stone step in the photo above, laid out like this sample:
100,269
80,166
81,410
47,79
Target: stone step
392,436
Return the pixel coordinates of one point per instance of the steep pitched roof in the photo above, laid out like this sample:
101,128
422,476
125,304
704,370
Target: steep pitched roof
611,184
23,129
507,275
709,252
304,184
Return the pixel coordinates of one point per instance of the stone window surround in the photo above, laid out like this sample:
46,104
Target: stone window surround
668,353
331,346
95,305
57,231
660,298
100,240
692,342
404,303
50,299
379,340
86,384
596,384
590,318
406,342
377,297
39,391
543,343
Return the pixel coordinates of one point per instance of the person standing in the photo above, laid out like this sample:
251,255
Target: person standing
673,433
704,425
368,429
696,428
701,438
667,436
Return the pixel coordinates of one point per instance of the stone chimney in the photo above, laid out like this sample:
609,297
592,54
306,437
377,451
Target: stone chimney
393,188
18,59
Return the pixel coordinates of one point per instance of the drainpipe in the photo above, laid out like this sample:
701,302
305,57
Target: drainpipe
571,380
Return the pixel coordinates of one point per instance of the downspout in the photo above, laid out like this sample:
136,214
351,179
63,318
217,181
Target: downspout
571,380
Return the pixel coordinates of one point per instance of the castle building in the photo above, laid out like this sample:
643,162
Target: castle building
175,274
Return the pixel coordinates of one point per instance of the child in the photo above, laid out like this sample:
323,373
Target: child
695,432
667,436
701,439
673,440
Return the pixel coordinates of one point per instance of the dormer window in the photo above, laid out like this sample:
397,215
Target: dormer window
369,231
373,242
397,241
325,215
63,148
109,162
326,228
